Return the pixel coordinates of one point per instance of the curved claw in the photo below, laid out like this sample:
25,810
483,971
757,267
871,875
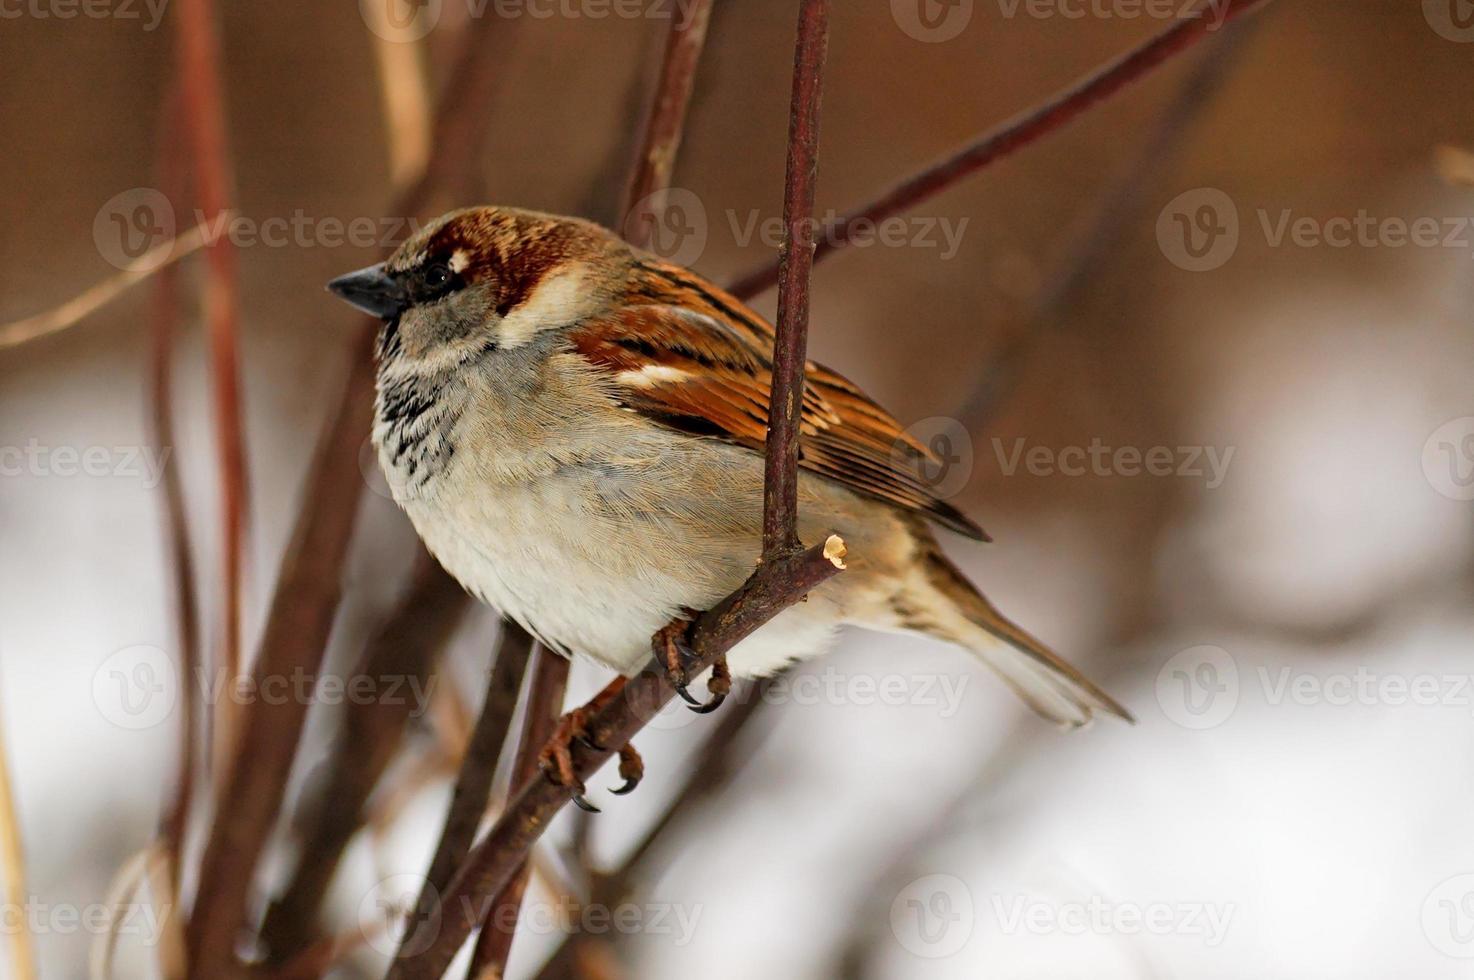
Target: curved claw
708,707
627,788
584,804
689,698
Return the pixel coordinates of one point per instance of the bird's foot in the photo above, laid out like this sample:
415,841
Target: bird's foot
675,654
556,759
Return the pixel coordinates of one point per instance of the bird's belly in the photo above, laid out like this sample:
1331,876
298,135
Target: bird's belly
585,574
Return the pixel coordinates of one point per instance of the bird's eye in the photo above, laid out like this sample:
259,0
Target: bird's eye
437,275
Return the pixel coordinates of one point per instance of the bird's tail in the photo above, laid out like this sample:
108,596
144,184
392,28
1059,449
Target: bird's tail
1040,677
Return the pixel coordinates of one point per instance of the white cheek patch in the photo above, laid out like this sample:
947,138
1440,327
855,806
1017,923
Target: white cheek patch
459,260
557,301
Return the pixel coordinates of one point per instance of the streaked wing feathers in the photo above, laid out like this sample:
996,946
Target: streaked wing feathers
690,356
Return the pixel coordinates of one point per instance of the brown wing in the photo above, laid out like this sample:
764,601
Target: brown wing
692,357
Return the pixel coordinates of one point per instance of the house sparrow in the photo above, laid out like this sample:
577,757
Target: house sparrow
576,430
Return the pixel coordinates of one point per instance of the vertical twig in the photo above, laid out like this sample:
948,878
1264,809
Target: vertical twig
176,521
665,123
198,52
1013,135
478,766
544,703
13,869
308,587
782,578
405,646
795,262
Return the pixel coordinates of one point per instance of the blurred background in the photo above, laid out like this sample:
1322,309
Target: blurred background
1199,362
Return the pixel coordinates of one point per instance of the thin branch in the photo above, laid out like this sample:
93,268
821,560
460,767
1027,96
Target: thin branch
1097,244
198,53
544,704
308,588
13,871
95,297
175,825
1015,134
784,575
666,121
775,586
795,262
406,646
478,766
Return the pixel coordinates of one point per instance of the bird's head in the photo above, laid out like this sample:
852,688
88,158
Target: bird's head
485,279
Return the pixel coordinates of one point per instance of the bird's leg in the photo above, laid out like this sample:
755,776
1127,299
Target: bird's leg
671,646
556,759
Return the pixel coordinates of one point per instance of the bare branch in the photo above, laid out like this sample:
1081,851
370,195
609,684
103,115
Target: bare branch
74,310
1015,134
198,53
308,590
478,766
544,703
666,121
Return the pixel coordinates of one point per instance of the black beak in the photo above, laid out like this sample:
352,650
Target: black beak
372,290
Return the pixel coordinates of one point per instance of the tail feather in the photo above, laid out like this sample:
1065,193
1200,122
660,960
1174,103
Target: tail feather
1043,680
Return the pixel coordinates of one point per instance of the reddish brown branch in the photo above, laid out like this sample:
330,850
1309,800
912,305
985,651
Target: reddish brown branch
308,593
176,519
544,703
795,262
1012,135
775,586
1097,244
666,121
405,647
478,766
198,53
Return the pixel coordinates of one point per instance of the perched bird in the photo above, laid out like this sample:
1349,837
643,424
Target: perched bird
576,430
